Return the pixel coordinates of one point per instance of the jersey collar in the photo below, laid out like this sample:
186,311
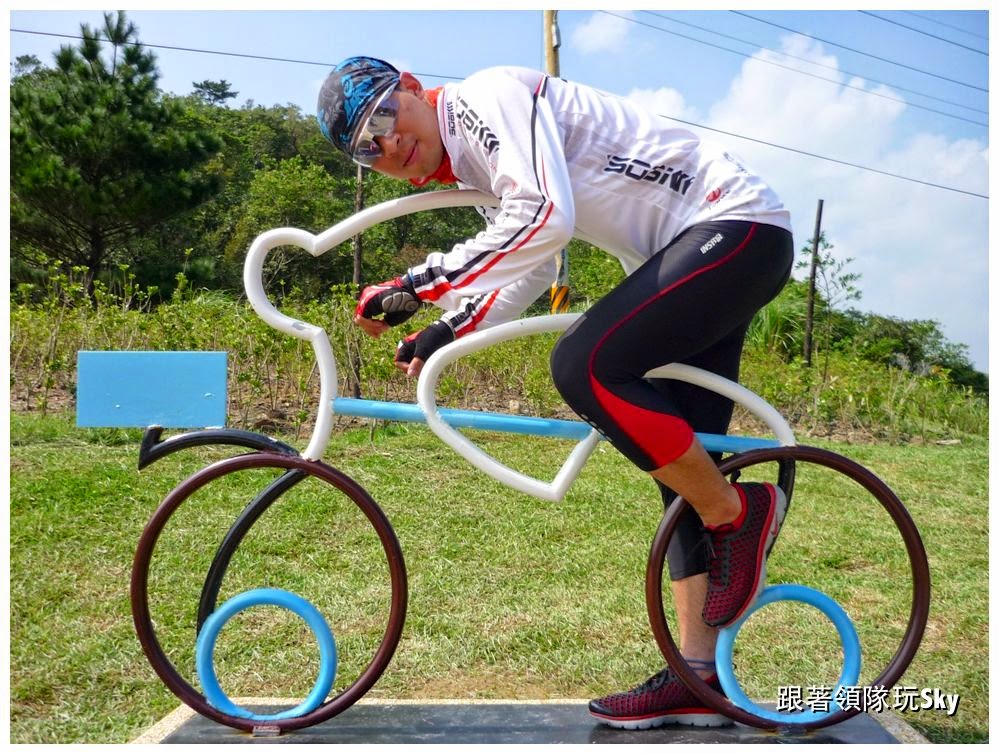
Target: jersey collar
443,174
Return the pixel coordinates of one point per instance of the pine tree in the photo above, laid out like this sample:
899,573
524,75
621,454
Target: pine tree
97,154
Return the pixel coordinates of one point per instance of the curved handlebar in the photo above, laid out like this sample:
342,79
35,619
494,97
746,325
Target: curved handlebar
253,281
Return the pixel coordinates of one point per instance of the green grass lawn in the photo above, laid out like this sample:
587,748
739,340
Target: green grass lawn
509,597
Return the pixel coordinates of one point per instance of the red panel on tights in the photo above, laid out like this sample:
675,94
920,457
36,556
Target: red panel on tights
664,438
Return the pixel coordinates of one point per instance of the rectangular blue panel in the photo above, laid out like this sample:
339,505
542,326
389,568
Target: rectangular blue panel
527,425
178,389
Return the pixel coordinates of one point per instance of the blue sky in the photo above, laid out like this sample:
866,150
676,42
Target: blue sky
909,101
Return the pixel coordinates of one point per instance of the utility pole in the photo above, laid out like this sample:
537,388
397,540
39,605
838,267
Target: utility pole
810,317
552,42
355,357
358,206
560,287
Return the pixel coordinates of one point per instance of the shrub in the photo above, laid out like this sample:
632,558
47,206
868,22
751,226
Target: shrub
273,379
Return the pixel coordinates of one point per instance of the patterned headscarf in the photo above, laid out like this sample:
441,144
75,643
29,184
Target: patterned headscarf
346,93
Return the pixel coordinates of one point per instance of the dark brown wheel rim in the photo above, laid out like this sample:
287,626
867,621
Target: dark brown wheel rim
140,598
918,564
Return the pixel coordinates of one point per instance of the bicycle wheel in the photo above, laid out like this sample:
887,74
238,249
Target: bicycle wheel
860,565
168,639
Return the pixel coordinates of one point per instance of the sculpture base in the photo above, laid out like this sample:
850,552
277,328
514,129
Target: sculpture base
382,721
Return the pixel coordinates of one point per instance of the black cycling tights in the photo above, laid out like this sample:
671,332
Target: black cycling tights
690,303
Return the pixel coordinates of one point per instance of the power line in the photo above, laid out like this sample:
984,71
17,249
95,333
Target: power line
803,73
183,49
811,62
827,159
216,52
949,26
679,120
859,52
920,31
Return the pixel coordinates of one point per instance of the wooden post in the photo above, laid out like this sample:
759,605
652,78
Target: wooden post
355,357
810,317
560,286
358,206
552,42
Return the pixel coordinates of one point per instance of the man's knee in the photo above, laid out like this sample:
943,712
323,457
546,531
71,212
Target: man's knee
570,369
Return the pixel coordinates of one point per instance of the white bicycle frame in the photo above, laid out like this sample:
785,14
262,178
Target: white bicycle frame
443,422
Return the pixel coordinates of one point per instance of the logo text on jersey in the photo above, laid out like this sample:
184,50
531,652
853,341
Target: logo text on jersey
738,166
639,170
475,126
711,243
715,194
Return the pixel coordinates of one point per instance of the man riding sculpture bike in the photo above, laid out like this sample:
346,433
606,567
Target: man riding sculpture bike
565,159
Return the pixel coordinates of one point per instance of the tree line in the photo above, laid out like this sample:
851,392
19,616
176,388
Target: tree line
109,173
107,170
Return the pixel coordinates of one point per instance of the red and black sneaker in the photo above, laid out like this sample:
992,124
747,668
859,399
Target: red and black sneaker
661,700
737,570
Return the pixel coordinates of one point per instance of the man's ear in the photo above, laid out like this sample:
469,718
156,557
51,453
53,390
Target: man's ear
410,83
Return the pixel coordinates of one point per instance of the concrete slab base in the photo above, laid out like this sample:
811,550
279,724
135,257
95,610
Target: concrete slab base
564,721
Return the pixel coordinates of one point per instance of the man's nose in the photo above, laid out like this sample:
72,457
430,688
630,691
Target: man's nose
389,144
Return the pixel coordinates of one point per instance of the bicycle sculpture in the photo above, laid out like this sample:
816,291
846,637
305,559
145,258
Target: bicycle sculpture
781,457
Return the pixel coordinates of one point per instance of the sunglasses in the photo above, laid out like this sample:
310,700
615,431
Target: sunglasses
378,120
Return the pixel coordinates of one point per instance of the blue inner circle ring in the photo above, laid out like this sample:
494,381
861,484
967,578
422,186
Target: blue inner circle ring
205,651
797,593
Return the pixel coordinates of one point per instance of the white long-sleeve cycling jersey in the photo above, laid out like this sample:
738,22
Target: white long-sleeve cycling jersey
567,159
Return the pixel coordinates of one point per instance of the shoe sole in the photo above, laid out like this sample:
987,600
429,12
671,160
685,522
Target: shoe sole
691,720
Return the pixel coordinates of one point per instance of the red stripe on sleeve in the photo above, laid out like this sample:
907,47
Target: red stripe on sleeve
441,288
471,324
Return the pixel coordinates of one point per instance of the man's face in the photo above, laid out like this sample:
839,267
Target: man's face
414,148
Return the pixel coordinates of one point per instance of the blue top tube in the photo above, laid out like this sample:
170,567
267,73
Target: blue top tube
525,425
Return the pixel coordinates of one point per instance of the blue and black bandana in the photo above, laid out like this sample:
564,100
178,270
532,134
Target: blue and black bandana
346,94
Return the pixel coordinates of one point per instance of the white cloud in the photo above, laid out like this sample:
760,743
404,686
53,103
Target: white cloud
664,101
922,251
788,108
600,33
